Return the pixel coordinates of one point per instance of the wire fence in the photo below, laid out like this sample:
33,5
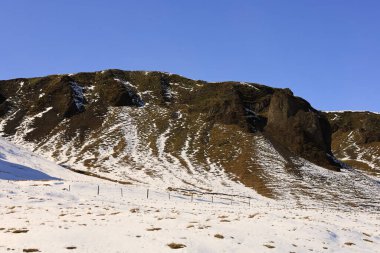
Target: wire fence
196,196
119,191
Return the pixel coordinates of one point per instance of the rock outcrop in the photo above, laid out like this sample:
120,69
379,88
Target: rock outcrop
294,124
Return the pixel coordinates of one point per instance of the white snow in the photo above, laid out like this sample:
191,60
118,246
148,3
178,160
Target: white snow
56,215
39,115
250,85
92,87
21,85
19,164
126,83
343,111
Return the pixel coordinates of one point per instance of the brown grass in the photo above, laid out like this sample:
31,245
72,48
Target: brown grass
253,215
174,245
19,231
219,236
153,229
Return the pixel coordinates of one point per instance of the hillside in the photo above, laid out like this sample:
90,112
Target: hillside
165,130
356,139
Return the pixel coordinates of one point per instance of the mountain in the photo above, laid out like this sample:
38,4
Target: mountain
170,131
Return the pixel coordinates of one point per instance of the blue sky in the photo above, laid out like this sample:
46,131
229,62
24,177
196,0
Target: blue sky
326,51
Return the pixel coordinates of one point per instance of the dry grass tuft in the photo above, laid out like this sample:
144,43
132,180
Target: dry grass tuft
19,231
219,236
253,215
31,250
174,245
153,229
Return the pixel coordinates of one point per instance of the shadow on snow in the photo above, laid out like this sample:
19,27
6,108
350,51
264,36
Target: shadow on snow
14,171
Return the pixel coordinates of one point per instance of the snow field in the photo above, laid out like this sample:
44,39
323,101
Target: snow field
45,215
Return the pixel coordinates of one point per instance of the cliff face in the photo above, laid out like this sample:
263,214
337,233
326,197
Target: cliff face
293,123
154,127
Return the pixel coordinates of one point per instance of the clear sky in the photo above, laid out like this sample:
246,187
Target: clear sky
326,51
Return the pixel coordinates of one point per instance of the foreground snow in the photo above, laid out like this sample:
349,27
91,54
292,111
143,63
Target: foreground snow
67,212
48,217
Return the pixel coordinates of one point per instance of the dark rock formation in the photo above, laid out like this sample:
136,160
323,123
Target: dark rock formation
293,123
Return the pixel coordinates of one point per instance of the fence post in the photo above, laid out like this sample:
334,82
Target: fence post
249,201
121,191
231,200
69,188
147,193
191,197
98,189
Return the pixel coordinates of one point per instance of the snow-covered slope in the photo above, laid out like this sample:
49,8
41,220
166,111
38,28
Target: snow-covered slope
87,214
19,164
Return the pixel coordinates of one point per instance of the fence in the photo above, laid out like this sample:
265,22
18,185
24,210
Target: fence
192,195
